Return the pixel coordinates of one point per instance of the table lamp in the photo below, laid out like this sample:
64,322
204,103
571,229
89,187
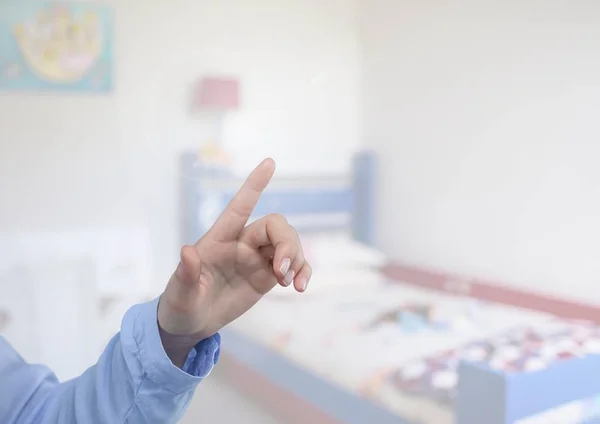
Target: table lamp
216,96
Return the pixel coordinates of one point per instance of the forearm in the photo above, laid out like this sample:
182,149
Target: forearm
133,382
118,389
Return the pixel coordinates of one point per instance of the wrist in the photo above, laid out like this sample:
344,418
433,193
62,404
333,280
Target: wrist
177,347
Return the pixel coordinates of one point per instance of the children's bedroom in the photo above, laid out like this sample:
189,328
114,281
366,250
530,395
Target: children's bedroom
433,164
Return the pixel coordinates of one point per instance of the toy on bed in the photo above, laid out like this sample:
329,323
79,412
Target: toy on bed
416,317
391,313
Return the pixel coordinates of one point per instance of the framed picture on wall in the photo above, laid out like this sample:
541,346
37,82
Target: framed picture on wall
56,46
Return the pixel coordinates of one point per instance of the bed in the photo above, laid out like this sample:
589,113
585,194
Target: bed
377,341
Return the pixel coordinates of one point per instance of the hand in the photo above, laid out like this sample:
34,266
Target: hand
232,266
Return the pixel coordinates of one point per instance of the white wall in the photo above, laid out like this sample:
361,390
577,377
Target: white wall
486,118
77,160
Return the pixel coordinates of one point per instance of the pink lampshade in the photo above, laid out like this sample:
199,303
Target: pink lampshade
217,94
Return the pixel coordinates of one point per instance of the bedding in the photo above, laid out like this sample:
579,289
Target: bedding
399,345
332,333
524,348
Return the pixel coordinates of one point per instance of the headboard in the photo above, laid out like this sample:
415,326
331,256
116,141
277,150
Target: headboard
310,203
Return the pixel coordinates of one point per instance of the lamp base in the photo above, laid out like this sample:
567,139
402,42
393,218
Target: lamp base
214,159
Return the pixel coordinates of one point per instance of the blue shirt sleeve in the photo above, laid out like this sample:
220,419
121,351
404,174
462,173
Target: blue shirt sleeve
133,382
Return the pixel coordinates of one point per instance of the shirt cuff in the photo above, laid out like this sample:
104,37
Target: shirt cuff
140,335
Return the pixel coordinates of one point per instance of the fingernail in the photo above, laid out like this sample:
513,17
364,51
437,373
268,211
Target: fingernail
285,266
303,283
289,277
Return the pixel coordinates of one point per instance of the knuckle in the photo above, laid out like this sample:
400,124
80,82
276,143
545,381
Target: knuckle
300,256
298,264
288,251
277,218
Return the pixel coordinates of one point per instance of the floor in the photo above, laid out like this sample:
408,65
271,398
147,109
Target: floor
219,403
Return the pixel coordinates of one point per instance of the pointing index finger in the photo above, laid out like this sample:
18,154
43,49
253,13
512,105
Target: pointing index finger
235,216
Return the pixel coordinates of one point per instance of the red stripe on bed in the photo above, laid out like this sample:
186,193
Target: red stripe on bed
491,292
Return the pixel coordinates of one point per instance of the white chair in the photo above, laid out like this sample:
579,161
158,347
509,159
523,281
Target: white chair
18,312
66,313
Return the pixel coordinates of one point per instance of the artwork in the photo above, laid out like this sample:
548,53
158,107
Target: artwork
55,46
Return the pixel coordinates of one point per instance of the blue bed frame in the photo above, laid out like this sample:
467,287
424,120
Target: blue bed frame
334,202
484,395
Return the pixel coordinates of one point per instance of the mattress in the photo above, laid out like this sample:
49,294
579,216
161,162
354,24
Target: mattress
366,337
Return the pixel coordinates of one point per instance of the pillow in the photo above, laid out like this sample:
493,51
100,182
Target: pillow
339,251
327,280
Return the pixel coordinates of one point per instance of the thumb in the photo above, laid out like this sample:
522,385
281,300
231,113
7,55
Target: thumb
182,290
